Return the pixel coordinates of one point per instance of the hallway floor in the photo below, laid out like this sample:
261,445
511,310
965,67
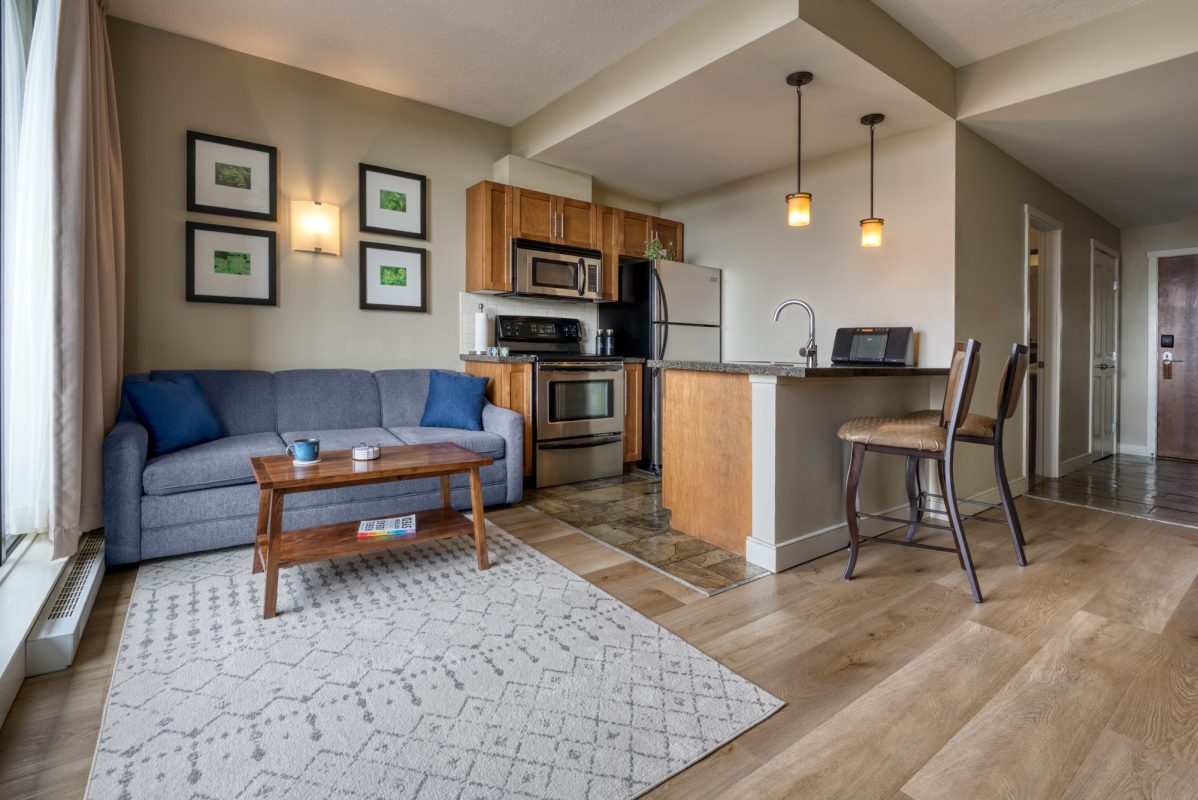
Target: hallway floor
1162,490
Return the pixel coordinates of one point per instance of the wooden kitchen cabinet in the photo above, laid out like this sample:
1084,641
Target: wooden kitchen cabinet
670,233
534,215
636,230
575,223
510,386
633,412
607,221
488,237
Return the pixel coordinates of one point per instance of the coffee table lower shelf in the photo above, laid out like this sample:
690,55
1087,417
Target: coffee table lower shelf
320,543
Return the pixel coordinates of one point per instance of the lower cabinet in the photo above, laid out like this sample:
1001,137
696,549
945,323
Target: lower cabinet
509,385
633,376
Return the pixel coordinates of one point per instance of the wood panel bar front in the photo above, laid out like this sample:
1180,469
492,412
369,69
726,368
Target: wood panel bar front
707,455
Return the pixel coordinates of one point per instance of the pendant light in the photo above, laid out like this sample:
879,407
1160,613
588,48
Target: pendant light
871,227
798,203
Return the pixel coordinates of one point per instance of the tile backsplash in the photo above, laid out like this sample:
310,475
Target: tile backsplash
532,306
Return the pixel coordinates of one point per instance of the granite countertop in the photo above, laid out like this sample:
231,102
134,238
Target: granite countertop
788,370
527,359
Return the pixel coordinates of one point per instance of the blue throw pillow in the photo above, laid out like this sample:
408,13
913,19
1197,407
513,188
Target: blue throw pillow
174,411
454,401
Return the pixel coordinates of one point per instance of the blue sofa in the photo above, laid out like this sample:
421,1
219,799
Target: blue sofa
204,497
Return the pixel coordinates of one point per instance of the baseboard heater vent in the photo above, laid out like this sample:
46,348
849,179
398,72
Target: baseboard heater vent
55,637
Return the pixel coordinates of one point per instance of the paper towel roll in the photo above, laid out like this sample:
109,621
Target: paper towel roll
480,330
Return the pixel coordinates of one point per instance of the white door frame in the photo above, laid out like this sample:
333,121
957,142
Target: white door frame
1048,430
1154,334
1096,245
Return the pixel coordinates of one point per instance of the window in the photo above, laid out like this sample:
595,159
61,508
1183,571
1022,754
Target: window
14,49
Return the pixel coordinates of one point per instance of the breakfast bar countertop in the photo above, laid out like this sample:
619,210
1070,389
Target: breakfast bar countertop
797,370
529,359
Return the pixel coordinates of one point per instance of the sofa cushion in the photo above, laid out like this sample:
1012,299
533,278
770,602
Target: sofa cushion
481,442
344,439
454,401
402,393
326,399
223,462
243,400
174,411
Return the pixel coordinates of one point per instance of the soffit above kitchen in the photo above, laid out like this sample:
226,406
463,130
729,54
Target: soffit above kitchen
496,61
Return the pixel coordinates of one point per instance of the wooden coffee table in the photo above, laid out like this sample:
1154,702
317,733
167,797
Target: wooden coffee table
277,476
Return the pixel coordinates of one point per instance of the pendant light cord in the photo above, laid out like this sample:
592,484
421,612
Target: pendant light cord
871,171
799,141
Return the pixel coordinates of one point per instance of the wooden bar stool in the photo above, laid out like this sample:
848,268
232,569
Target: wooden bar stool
983,430
916,440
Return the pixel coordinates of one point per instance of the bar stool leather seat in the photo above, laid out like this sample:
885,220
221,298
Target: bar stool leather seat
978,425
907,434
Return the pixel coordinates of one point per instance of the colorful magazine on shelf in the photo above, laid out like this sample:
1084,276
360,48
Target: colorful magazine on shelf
391,526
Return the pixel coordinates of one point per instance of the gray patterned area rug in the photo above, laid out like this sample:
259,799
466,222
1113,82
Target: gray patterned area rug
404,674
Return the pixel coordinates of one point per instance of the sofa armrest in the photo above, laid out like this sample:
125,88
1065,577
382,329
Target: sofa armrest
510,426
126,448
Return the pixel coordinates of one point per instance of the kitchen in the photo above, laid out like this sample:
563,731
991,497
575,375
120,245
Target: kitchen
774,492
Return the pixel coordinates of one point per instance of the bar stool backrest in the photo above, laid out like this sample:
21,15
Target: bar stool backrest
962,377
1013,377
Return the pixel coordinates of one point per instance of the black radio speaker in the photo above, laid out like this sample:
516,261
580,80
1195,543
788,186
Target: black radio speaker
891,347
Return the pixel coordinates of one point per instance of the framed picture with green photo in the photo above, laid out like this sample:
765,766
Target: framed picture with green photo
392,277
231,177
230,265
392,202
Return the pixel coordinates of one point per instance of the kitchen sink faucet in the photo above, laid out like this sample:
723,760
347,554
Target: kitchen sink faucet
810,351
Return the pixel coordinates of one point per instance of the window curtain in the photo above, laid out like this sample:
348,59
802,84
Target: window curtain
65,332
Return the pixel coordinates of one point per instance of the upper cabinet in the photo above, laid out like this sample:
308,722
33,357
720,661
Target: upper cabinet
497,213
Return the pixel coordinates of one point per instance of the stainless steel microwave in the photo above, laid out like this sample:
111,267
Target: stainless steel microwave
550,270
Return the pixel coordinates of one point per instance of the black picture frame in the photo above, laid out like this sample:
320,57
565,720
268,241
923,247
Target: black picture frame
365,227
273,177
272,265
363,299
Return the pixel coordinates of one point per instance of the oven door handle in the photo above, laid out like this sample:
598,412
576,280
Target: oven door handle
618,368
611,439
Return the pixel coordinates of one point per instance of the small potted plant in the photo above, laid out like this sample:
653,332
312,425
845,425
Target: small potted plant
657,251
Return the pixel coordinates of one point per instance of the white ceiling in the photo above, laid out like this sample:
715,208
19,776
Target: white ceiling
1123,145
736,117
964,31
500,61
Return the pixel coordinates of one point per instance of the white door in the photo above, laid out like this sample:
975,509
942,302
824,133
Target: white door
1104,339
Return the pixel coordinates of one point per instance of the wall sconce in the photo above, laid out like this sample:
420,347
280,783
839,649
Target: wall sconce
871,227
315,227
798,202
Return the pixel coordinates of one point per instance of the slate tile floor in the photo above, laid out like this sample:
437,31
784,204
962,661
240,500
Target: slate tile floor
625,512
1158,489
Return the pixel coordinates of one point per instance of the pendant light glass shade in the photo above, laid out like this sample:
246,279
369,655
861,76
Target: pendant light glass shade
871,226
798,202
798,209
871,232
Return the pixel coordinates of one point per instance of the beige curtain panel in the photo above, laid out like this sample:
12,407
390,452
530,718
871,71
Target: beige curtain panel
88,269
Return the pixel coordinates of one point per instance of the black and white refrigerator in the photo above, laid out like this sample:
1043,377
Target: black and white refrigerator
669,311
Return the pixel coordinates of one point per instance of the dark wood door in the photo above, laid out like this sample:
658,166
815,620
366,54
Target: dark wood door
1177,382
533,215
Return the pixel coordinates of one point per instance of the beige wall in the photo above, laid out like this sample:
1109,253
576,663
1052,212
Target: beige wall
323,128
992,189
1133,333
742,228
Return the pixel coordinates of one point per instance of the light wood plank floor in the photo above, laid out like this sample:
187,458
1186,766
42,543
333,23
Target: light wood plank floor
1078,677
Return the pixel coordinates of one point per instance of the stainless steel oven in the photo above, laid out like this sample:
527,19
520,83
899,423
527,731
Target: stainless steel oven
545,270
579,421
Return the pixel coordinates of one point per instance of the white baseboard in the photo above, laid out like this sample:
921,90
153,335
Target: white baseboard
1074,464
1134,450
810,546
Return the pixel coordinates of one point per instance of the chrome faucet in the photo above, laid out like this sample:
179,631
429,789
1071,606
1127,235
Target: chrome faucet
810,351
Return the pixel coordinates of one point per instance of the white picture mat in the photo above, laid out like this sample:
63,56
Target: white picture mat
376,217
208,281
209,193
376,292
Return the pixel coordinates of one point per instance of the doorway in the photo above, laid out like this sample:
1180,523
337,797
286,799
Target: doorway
1104,350
1173,354
1042,292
